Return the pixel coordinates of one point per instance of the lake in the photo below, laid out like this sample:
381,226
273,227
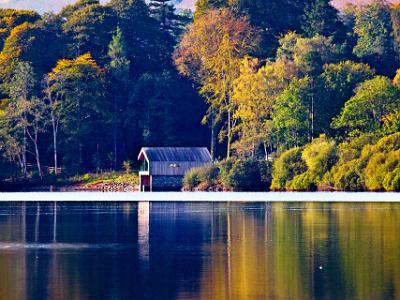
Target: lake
199,250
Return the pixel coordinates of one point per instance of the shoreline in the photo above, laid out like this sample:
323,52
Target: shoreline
359,197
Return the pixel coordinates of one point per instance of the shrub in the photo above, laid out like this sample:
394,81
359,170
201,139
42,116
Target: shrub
347,177
245,176
387,143
266,173
351,150
392,181
191,179
320,156
127,167
303,182
208,174
286,167
379,167
225,167
205,176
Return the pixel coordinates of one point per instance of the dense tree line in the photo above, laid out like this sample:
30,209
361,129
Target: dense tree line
84,89
325,74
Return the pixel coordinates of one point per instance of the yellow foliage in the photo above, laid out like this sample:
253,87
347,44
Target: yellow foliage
74,67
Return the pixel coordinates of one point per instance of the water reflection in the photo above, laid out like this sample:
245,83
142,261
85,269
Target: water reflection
199,251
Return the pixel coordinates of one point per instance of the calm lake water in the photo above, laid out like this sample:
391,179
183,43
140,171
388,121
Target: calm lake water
199,251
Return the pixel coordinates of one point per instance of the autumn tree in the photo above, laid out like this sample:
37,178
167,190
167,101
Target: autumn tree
210,53
90,29
255,92
11,18
84,111
28,42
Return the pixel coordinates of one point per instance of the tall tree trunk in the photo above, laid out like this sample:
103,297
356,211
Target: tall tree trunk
229,136
37,155
213,145
24,163
265,151
55,153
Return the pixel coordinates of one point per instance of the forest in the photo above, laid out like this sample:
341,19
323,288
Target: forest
287,94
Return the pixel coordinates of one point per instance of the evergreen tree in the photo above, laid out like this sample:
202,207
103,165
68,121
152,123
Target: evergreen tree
119,81
321,18
164,12
147,47
375,43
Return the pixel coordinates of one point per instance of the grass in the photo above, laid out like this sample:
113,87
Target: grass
93,179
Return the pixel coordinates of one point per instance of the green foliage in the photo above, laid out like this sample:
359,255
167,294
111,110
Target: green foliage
290,115
383,158
191,179
266,174
225,168
391,181
148,48
366,164
352,149
337,83
321,18
238,175
245,176
373,100
127,166
286,167
380,166
89,29
84,111
303,182
320,156
346,177
375,44
164,12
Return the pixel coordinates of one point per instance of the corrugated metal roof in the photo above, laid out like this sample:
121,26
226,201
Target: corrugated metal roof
175,154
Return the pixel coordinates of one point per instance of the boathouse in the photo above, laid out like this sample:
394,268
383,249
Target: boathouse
163,168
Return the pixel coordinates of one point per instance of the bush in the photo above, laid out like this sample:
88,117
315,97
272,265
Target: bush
303,182
225,167
320,156
205,176
387,144
351,150
208,174
347,177
266,173
191,179
392,181
245,175
380,166
286,167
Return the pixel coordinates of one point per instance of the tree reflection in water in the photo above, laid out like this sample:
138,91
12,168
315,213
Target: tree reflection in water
199,250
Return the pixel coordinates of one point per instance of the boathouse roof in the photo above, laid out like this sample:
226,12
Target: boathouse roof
175,154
